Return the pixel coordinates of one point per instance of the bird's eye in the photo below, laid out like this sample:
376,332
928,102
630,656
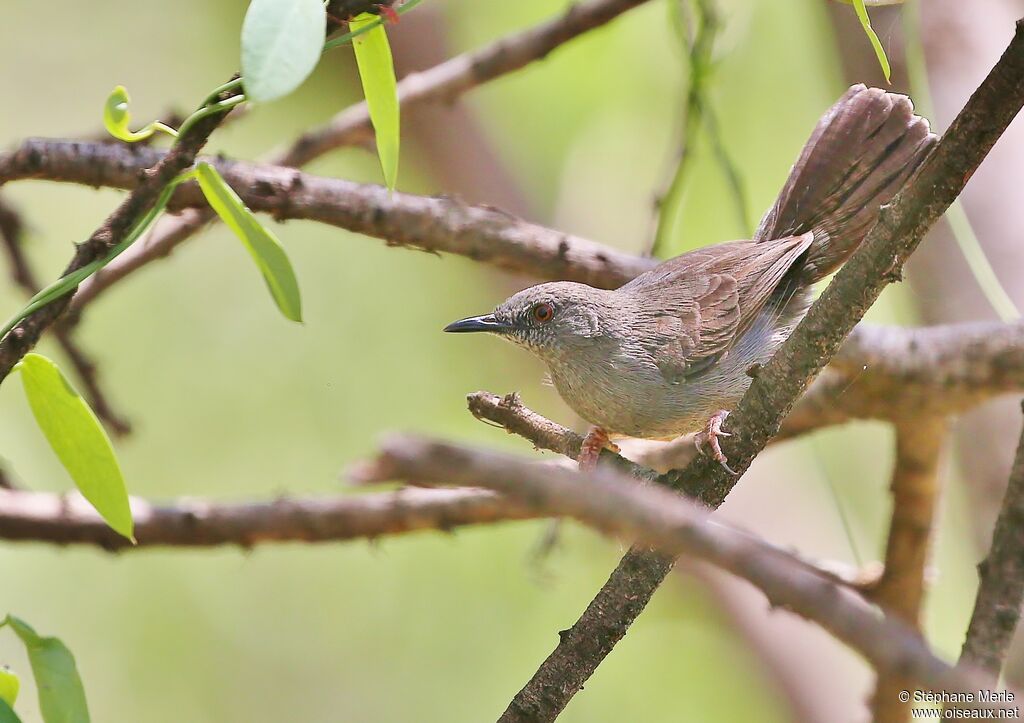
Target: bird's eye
542,312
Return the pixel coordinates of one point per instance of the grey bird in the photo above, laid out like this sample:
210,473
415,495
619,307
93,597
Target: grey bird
668,353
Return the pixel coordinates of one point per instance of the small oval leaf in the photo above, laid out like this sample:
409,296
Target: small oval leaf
267,251
9,685
78,440
377,73
281,44
61,695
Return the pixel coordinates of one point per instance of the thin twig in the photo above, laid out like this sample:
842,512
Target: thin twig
697,111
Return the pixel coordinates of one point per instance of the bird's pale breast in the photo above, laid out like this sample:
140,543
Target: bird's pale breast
627,394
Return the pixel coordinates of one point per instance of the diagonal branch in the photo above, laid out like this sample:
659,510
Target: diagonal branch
778,384
21,272
618,505
1001,592
117,225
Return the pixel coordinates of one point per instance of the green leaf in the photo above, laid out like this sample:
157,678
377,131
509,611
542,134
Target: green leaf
7,714
340,40
270,256
9,686
61,696
281,43
377,73
116,119
78,439
865,22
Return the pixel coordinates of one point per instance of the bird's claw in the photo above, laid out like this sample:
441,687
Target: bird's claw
708,438
590,450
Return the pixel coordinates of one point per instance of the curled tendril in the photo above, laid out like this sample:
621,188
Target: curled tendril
116,118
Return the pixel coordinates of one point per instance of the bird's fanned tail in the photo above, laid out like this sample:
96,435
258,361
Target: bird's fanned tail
863,150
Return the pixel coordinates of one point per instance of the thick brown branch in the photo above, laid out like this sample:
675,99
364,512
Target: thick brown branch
46,517
1001,592
428,223
900,590
616,504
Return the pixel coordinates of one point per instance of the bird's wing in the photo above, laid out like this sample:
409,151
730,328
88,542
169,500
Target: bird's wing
702,302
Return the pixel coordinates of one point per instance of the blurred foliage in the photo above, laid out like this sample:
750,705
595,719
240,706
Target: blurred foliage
232,401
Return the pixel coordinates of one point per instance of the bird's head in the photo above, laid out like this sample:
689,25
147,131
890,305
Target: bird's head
551,320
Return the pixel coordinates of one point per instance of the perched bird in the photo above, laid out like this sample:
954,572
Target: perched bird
667,353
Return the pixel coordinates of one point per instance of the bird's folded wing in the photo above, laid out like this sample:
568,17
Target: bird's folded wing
705,300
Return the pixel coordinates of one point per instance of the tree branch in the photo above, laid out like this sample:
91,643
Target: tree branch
428,223
64,520
618,505
116,226
443,83
900,591
893,374
1001,592
21,272
816,339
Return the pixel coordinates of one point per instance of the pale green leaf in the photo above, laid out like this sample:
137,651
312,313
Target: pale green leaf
267,251
865,21
377,73
78,440
281,43
61,696
9,685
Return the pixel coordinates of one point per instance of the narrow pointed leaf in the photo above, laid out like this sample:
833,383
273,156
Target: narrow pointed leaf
78,440
9,686
7,714
865,22
61,695
281,43
377,73
267,251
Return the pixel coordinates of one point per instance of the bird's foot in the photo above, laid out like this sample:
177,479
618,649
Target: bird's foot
595,440
709,438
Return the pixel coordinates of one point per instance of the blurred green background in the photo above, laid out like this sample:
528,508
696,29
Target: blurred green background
230,401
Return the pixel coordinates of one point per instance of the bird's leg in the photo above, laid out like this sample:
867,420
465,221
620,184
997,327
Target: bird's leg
595,440
708,437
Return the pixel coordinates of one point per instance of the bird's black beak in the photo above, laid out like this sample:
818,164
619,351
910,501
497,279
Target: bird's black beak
487,322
